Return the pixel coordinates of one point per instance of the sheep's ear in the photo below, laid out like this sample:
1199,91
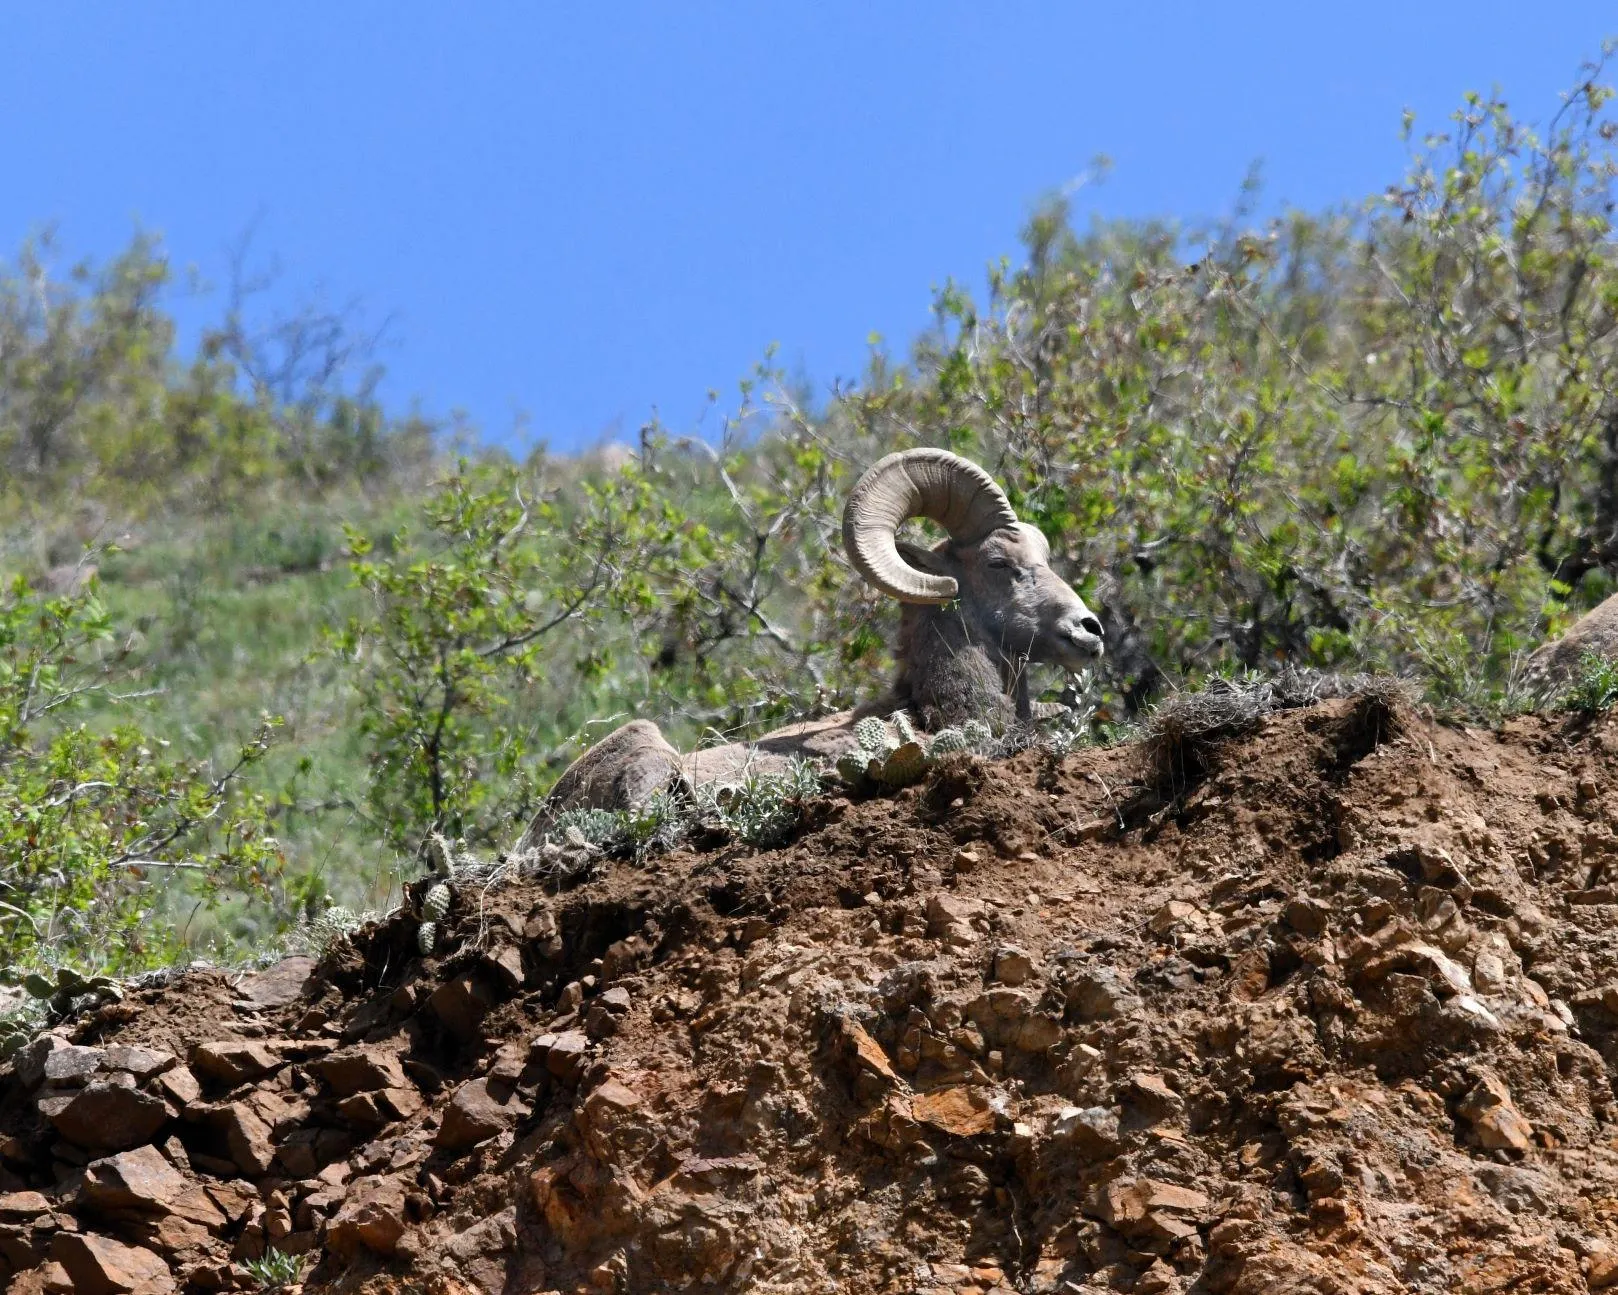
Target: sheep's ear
937,562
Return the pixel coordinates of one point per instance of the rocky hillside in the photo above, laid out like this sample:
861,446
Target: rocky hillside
1329,1006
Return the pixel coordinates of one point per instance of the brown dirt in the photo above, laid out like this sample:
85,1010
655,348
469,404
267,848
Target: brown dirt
1334,1008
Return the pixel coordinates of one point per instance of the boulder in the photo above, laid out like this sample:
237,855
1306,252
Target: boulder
98,1265
372,1217
234,1062
277,986
478,1112
359,1070
105,1116
143,1180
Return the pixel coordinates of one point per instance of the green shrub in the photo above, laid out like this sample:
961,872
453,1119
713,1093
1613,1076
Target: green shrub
1595,686
92,816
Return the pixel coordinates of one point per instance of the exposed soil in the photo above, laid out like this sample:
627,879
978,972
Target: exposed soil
1329,1007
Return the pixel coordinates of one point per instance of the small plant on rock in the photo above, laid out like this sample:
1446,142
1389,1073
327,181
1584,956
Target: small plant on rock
1595,686
764,808
274,1270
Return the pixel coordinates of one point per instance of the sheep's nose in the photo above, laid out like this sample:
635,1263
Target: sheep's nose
1090,625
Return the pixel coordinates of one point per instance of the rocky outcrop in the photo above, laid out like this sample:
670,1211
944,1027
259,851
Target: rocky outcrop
1338,1016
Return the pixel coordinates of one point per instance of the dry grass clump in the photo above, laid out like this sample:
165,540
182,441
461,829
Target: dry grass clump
1179,736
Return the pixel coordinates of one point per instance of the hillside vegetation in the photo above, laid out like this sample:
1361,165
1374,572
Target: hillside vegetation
1382,438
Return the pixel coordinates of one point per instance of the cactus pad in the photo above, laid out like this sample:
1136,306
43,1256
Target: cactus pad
436,904
852,768
906,765
873,735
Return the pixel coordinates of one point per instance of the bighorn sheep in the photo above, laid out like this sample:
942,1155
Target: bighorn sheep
1553,667
978,607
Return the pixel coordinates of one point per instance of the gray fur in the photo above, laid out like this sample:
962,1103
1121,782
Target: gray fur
965,659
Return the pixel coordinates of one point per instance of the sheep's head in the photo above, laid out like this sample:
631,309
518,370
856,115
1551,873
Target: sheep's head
996,568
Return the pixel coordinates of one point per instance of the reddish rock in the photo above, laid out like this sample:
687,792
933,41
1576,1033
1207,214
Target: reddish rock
143,1180
476,1113
950,918
142,1063
22,1205
564,1053
98,1265
49,1278
107,1117
866,1051
506,965
460,1004
1494,1117
235,1198
180,1086
246,1136
963,1112
359,1070
234,1062
372,1217
277,986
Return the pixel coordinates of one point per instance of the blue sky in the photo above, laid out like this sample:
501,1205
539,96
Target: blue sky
577,214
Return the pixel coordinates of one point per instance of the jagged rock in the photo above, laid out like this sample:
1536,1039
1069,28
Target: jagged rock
277,986
372,1217
563,1054
247,1137
1092,1131
1446,976
1148,1207
1172,915
1494,1118
180,1085
142,1063
22,1205
361,1069
1101,995
865,1051
143,1180
233,1062
105,1116
1012,966
72,1066
950,918
29,1063
99,1265
961,1112
461,1004
478,1112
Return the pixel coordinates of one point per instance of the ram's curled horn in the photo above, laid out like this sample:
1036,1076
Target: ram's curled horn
935,484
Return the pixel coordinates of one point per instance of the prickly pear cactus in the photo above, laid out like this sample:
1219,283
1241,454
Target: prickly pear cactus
67,990
853,767
898,757
976,732
906,765
873,736
433,907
